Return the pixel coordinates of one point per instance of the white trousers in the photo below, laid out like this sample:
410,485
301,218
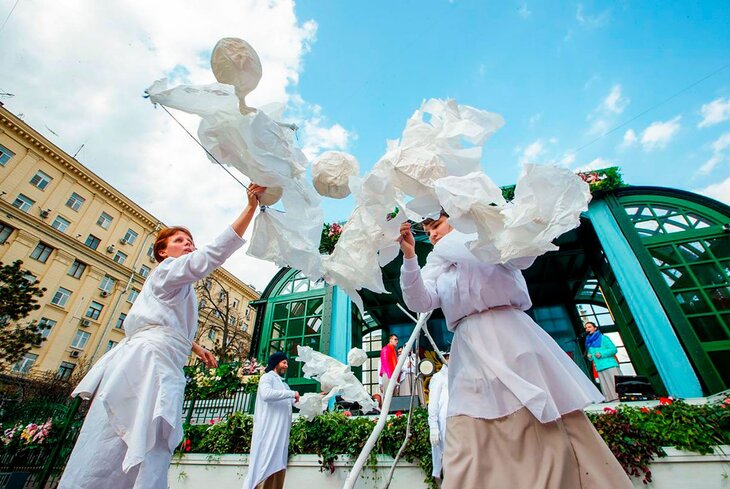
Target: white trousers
96,460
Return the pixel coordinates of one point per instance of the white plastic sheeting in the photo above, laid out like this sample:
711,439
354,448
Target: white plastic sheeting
331,173
335,379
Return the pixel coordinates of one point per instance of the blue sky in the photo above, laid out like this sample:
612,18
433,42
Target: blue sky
547,67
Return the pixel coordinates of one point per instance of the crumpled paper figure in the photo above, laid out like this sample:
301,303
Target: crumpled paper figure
335,379
311,405
331,173
548,202
432,149
357,357
235,62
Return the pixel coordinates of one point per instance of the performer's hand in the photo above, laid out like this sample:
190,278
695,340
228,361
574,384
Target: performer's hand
254,194
407,241
296,396
205,356
434,437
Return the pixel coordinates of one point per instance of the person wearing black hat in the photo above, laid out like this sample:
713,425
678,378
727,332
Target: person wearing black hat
271,427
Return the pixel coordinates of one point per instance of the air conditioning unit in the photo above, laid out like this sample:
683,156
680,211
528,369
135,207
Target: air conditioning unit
74,353
104,293
85,323
45,213
152,259
110,249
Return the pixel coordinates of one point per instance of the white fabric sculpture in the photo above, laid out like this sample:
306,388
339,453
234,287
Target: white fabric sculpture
235,62
335,379
331,173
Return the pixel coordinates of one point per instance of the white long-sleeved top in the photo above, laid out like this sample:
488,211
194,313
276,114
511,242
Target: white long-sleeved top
271,427
140,382
438,403
501,360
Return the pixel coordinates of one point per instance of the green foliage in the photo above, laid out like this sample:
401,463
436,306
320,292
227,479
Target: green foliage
634,435
223,381
18,298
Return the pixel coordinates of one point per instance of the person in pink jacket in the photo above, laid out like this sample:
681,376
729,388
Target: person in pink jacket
388,361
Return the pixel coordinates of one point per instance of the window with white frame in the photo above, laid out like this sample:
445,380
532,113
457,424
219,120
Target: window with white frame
23,203
211,335
151,251
144,270
5,232
104,220
45,326
111,344
107,284
41,252
61,297
235,304
5,155
24,365
40,180
130,237
65,370
94,310
120,257
248,313
61,224
132,295
77,269
80,340
75,201
120,321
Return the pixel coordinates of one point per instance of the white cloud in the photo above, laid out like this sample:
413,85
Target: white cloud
84,77
603,116
718,154
718,191
532,152
659,134
534,119
629,138
596,164
567,160
715,112
591,21
523,11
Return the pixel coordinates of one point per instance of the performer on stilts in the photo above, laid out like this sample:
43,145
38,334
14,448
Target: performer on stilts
515,414
438,404
135,422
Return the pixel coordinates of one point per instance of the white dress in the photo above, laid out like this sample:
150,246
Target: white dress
501,360
135,420
271,427
438,404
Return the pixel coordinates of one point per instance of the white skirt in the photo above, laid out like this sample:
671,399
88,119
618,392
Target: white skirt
502,361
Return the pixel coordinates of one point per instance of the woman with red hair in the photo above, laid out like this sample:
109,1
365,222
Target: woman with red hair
134,422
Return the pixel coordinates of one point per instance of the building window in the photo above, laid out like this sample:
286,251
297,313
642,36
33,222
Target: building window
235,304
23,203
132,295
41,252
654,219
111,344
61,224
104,220
25,364
45,326
107,284
211,335
5,155
151,251
144,270
94,310
120,257
77,269
75,201
92,242
80,340
130,237
120,321
65,370
40,180
248,313
60,298
5,232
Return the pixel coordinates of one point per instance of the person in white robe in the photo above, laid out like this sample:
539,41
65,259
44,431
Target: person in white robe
271,427
137,389
516,399
438,403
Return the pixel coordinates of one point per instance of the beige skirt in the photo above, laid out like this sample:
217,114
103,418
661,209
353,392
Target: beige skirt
518,451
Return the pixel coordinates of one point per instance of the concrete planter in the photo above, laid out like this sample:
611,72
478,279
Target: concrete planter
679,469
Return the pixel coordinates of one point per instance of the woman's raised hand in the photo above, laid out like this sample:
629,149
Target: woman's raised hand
254,194
407,241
